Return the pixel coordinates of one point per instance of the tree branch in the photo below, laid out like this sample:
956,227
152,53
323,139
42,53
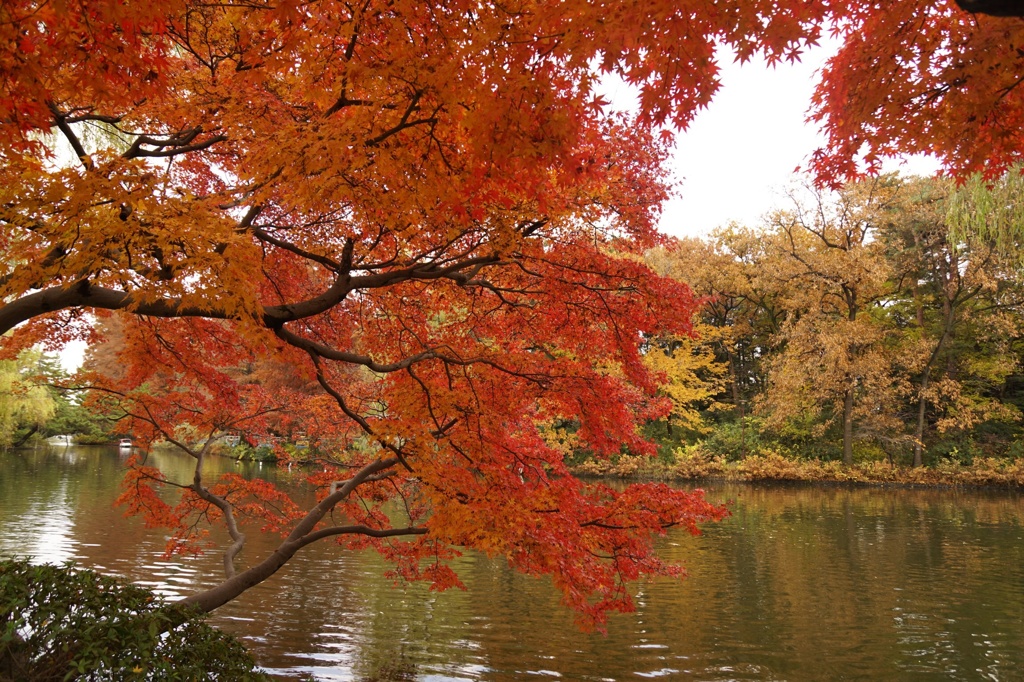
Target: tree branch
217,596
361,530
61,120
179,143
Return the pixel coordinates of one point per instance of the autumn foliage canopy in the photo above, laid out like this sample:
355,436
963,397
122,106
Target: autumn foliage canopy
408,229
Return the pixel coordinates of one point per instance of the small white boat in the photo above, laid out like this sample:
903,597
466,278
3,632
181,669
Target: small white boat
125,444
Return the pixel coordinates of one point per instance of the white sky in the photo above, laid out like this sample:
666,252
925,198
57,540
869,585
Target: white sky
737,157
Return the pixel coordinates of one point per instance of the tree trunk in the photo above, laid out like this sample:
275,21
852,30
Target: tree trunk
948,310
919,431
851,298
732,378
922,403
848,427
208,600
24,439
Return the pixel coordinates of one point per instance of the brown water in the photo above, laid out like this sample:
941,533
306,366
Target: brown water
800,583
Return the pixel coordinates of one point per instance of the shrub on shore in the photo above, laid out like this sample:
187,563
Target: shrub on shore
692,463
62,623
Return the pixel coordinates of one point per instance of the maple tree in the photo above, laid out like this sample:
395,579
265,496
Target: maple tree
921,76
422,209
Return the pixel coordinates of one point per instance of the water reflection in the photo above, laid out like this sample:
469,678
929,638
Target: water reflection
46,527
799,584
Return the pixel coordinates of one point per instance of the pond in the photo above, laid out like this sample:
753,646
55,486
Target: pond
800,583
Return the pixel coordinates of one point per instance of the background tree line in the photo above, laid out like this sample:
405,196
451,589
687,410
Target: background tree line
35,404
882,321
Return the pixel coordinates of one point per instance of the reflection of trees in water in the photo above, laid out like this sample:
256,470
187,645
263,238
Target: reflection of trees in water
390,666
44,528
967,505
39,519
806,570
868,581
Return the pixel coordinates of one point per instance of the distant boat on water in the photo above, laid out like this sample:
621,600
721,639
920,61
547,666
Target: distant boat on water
63,439
125,444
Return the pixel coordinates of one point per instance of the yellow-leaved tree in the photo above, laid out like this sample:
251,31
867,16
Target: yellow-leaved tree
694,376
834,358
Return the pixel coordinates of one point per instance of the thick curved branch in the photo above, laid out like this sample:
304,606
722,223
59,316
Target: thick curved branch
86,295
60,119
362,530
89,116
226,508
275,316
82,294
215,597
318,349
328,263
171,145
424,272
995,8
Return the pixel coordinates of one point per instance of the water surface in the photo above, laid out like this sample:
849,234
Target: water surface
801,583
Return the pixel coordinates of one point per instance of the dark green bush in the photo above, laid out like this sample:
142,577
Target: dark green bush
736,440
59,623
667,438
961,450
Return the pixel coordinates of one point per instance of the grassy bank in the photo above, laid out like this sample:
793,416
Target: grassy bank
692,465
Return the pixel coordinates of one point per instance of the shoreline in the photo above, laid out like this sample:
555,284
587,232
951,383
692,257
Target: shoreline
987,473
773,469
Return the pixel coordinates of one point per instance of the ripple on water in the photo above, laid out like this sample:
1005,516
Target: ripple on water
45,529
800,584
311,672
663,672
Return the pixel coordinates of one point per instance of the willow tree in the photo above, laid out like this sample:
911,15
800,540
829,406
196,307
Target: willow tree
25,405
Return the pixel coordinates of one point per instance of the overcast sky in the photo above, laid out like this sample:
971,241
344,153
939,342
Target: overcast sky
738,156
